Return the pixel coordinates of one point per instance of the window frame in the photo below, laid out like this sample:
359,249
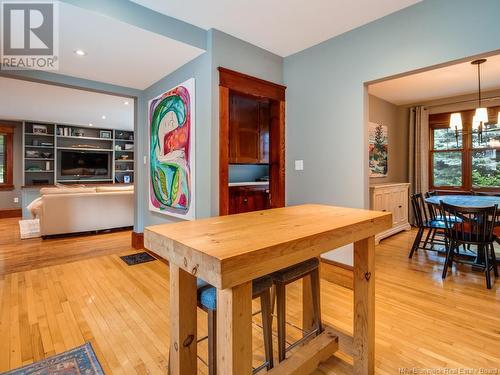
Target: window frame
441,121
8,131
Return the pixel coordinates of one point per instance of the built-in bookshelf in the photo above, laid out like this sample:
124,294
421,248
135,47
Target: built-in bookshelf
43,144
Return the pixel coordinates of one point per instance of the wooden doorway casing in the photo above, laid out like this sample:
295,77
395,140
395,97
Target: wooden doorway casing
231,81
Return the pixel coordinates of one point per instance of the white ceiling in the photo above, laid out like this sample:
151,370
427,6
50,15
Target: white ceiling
24,100
280,26
118,53
454,80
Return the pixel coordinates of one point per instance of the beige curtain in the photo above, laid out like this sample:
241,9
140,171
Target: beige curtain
418,157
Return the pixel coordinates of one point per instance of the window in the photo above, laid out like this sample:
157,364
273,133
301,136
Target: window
6,157
467,159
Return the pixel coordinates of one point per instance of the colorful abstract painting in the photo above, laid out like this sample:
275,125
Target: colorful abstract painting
171,152
378,144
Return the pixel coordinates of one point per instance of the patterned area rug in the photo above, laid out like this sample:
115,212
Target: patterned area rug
78,361
29,228
137,258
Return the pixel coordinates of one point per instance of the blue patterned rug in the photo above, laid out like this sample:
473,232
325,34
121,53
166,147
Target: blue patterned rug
78,361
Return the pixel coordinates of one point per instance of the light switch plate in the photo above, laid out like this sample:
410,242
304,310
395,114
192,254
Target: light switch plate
145,160
299,165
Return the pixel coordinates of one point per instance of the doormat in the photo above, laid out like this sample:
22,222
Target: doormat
138,258
29,228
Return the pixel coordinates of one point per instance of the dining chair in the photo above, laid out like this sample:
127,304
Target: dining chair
207,301
475,228
424,220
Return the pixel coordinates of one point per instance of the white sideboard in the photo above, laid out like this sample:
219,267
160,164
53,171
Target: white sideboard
391,197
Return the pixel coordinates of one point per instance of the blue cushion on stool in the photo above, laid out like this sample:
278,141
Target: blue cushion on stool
295,271
207,294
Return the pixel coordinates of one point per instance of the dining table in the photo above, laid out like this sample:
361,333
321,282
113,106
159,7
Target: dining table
470,201
230,251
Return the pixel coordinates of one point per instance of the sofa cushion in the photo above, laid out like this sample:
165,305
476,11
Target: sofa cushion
72,190
107,189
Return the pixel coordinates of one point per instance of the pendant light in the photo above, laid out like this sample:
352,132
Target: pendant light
456,123
481,115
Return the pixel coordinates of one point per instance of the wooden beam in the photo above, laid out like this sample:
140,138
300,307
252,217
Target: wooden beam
307,357
234,330
345,340
183,335
364,306
336,273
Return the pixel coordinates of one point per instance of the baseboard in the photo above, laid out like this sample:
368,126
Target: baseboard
337,273
11,212
137,240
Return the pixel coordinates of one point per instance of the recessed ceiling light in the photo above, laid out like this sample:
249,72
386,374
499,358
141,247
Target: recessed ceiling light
91,124
80,52
103,117
126,103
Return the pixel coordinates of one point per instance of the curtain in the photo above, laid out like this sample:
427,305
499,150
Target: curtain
418,158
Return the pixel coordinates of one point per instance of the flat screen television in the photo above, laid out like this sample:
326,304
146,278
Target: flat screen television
84,164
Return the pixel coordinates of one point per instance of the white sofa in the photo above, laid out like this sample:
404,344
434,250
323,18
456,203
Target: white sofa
73,210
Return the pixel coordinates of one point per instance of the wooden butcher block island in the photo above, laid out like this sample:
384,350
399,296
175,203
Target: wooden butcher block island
230,251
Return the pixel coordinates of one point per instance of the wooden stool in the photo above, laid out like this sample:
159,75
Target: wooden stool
281,279
207,301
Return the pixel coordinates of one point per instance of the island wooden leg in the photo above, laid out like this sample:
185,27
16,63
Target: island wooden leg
307,306
183,339
234,330
364,307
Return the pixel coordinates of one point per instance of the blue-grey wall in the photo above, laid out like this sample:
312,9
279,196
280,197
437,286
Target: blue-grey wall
200,69
222,50
326,98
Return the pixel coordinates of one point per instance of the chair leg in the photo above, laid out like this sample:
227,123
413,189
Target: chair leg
267,323
316,300
273,298
426,241
487,266
281,311
449,250
416,242
212,342
494,259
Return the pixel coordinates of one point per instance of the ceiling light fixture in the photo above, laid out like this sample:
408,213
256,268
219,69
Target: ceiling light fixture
103,117
456,123
80,52
126,103
91,124
481,112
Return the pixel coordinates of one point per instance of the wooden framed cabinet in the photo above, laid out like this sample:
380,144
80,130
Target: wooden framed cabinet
248,198
248,130
391,197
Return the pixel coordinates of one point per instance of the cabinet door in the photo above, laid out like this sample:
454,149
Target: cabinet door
400,206
264,119
244,135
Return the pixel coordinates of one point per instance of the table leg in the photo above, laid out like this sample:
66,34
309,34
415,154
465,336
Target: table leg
364,307
183,339
234,330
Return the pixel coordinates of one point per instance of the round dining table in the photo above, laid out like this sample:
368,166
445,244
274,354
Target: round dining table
465,200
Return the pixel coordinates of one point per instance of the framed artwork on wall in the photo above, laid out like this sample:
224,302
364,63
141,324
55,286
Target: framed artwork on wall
378,149
172,151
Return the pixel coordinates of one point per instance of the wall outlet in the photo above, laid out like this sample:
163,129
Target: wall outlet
299,165
16,200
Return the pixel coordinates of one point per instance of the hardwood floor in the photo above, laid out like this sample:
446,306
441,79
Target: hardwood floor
21,255
122,310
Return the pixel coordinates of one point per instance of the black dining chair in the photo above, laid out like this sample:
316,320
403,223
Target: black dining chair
475,228
424,220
